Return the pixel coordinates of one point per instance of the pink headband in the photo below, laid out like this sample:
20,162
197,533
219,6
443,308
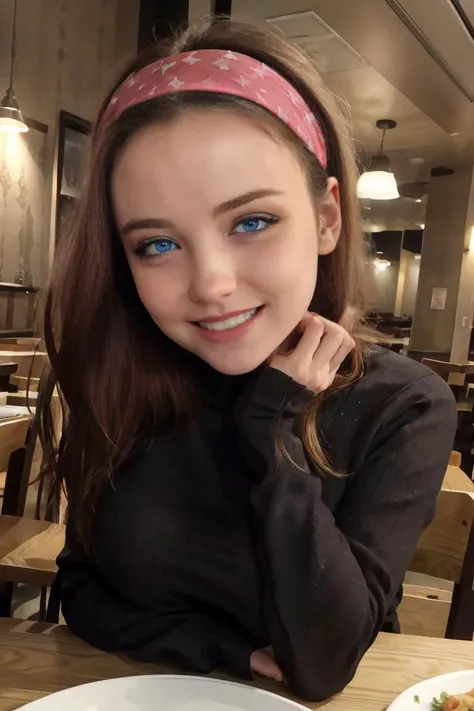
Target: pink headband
224,72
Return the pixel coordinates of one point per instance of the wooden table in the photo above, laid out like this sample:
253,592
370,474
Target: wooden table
445,367
29,363
36,660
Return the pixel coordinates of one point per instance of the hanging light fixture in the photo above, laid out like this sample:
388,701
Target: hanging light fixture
11,118
381,264
378,183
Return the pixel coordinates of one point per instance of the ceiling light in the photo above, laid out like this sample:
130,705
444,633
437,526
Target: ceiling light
11,118
378,182
381,264
418,200
421,225
417,257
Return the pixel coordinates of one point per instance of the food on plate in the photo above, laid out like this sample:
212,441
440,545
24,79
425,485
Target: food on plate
455,702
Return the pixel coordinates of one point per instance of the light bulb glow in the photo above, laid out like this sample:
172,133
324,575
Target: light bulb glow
381,264
377,185
10,125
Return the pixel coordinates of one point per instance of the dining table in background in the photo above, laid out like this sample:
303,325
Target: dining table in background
38,659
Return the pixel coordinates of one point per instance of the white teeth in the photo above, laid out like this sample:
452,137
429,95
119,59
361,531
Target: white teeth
230,323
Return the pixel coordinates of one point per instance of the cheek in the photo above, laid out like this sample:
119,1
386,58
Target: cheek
292,266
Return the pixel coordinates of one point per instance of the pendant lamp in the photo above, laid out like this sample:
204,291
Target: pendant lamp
11,118
378,182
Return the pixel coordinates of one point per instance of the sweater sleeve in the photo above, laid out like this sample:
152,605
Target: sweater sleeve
99,615
330,578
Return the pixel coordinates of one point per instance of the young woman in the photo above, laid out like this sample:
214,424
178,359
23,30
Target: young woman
247,478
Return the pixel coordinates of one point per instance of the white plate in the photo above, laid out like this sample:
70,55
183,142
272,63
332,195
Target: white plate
456,683
163,693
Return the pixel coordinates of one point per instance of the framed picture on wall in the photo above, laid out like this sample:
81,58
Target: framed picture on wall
73,142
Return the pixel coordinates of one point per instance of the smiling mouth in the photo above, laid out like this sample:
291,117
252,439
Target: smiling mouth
229,323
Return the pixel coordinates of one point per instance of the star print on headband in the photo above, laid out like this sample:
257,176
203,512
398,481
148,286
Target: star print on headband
223,72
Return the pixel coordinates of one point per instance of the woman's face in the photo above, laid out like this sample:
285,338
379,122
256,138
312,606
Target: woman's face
221,235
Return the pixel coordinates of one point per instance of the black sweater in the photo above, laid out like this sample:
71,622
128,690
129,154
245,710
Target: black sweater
213,545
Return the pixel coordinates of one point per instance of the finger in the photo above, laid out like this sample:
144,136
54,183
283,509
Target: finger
341,354
333,338
261,663
313,331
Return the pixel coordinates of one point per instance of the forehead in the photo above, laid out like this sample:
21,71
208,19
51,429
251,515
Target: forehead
210,156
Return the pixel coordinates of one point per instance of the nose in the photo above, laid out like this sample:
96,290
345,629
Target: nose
213,277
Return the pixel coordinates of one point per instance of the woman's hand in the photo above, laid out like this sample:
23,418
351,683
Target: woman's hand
318,354
263,662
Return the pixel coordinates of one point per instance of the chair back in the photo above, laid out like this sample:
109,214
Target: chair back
455,459
445,550
12,437
442,547
424,611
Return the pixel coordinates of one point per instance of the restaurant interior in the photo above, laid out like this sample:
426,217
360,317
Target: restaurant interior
403,69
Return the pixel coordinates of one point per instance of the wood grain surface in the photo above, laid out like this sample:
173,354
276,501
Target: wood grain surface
28,550
424,610
456,480
36,660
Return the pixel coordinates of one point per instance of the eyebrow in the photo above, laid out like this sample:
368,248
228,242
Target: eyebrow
227,206
146,224
241,200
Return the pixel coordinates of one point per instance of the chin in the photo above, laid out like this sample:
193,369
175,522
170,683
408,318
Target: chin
234,365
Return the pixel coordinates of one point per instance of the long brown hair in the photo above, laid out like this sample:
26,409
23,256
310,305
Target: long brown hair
123,382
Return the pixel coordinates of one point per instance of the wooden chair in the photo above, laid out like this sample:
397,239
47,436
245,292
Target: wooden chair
455,459
445,550
456,480
28,552
13,435
458,376
29,547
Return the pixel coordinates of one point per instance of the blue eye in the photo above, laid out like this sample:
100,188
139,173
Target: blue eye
156,247
161,246
254,223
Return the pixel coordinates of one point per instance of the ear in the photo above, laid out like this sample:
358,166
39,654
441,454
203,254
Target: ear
329,218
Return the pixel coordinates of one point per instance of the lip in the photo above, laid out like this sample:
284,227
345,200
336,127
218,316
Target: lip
224,317
231,334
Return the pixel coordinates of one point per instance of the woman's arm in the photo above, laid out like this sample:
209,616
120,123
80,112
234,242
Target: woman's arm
330,579
98,614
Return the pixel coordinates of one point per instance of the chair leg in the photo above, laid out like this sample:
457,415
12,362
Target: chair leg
16,485
43,604
54,603
6,597
461,616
